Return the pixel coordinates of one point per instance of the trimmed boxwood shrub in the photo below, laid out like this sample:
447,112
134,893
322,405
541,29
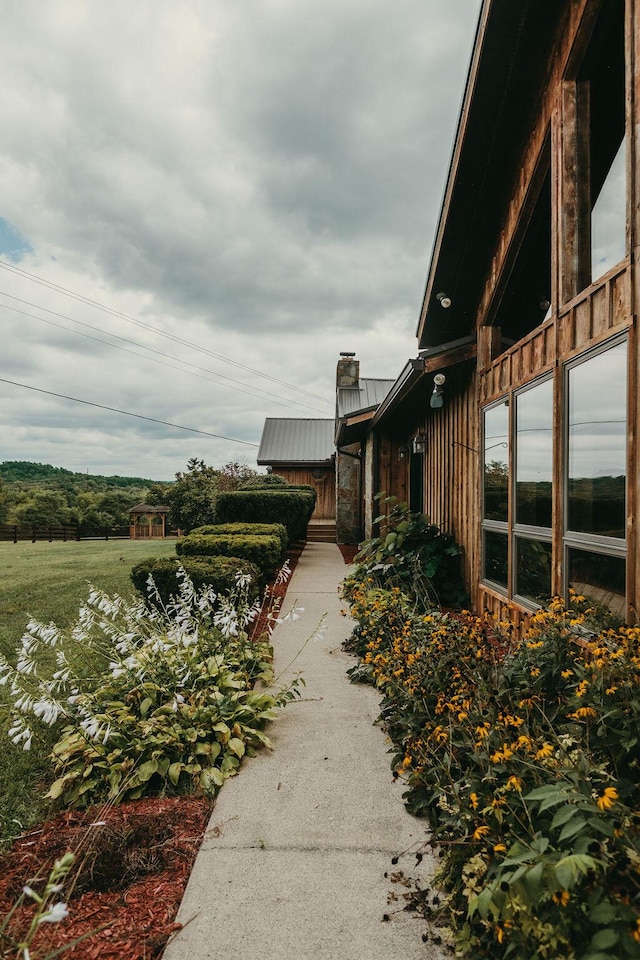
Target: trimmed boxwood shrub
263,551
219,572
247,529
293,508
264,480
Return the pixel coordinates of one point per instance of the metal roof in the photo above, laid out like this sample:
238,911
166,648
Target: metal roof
296,441
366,396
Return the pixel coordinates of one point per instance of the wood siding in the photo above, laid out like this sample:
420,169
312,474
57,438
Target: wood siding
323,479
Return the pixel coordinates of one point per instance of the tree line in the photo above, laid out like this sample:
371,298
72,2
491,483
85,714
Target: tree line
36,493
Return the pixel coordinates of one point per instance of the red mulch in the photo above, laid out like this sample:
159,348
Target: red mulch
132,874
348,551
132,870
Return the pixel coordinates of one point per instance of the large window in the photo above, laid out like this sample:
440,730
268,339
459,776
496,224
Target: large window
533,501
595,198
496,495
596,455
517,535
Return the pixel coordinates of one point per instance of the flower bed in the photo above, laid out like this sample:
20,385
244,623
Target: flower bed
523,754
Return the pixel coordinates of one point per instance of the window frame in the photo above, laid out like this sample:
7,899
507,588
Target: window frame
576,539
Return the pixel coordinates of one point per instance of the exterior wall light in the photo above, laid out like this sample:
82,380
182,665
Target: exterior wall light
437,400
419,443
403,452
443,300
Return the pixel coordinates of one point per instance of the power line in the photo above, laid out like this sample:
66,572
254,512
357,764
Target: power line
248,391
127,413
19,271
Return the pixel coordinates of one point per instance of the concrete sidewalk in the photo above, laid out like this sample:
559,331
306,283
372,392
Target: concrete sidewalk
293,862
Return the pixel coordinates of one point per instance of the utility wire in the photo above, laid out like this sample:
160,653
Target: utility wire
127,413
248,390
5,265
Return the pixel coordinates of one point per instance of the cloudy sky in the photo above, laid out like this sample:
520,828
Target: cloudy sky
202,204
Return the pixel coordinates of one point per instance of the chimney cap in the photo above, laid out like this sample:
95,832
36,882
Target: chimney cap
346,354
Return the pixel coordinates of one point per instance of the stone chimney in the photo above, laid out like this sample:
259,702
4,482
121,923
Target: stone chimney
348,372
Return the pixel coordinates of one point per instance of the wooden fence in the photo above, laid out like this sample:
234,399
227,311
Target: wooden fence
52,531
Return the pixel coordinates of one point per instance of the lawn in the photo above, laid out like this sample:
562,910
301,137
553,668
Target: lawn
48,581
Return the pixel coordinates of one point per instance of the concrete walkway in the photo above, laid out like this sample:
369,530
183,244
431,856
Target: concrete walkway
293,863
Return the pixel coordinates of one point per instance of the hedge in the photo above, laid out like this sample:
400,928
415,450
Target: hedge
217,571
293,508
264,552
247,529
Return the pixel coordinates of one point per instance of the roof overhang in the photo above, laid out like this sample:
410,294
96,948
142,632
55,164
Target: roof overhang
353,428
431,360
508,70
289,464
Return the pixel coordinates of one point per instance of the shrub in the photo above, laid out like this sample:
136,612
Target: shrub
412,554
219,573
263,481
247,529
293,508
524,756
168,702
263,551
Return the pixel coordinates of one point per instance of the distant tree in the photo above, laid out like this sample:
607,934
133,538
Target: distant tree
3,503
158,494
44,506
192,497
234,475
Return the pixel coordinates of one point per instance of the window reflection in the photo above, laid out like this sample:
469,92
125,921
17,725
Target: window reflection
609,218
496,463
598,577
597,444
496,549
533,569
534,453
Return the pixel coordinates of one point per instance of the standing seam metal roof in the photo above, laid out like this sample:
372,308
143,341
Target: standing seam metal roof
296,441
367,395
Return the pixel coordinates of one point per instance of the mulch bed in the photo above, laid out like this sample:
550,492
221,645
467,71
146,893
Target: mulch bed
133,860
348,551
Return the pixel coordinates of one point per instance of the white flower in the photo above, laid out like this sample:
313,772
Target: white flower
55,914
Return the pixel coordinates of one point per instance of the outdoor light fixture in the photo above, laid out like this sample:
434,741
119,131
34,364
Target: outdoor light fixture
443,300
419,443
437,400
403,452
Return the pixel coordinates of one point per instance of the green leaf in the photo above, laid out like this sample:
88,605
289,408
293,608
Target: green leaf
211,780
174,772
146,770
572,828
541,793
236,746
603,913
604,939
563,815
145,705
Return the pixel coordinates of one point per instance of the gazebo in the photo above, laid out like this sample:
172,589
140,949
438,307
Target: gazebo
148,522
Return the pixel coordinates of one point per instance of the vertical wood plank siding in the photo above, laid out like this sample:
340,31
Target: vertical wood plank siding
451,466
325,487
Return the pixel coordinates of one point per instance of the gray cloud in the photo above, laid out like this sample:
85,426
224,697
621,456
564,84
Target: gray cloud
262,179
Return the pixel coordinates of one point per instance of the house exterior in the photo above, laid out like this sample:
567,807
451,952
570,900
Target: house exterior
515,428
302,451
357,400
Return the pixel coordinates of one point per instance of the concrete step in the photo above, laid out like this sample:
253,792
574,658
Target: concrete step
320,531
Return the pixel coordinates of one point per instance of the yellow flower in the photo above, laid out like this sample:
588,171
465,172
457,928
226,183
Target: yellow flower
480,832
566,674
473,800
583,713
535,671
635,933
546,750
608,798
499,848
514,783
562,898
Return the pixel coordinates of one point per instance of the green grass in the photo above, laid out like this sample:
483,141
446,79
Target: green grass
49,581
